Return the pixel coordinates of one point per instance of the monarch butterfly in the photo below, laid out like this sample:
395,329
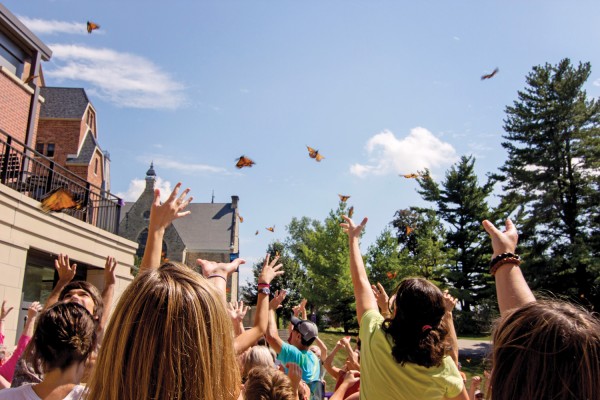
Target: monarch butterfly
312,153
92,26
241,218
244,162
391,275
488,76
351,212
60,199
256,233
411,176
409,230
271,228
343,197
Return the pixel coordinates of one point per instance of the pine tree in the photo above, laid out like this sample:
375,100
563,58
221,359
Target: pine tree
552,174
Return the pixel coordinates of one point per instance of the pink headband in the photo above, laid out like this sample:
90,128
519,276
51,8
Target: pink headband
426,327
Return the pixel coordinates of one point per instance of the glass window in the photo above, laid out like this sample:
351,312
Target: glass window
39,147
50,150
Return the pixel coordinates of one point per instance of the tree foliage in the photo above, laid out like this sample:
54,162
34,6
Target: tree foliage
553,144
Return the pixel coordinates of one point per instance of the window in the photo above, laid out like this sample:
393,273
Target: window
50,150
39,147
11,56
96,167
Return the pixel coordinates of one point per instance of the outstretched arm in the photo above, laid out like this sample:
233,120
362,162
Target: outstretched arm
272,335
321,345
66,273
270,271
219,273
3,313
511,287
237,312
161,216
328,363
108,292
365,300
449,303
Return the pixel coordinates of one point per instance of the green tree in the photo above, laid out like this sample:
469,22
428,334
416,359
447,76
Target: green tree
551,172
293,281
321,249
461,204
420,235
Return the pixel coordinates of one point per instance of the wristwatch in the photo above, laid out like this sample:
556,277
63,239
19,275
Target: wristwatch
264,290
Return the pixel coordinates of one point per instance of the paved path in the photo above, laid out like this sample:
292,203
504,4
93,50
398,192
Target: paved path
476,348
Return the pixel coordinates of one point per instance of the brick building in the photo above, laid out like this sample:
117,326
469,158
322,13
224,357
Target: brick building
210,232
29,238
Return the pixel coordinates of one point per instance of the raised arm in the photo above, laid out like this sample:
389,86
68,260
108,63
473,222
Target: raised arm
161,216
328,363
272,335
271,270
365,300
511,287
449,303
321,345
3,314
383,300
108,292
237,312
66,272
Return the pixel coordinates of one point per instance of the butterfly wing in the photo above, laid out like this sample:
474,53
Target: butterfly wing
343,197
241,218
318,156
350,212
409,230
244,161
92,26
411,176
59,199
256,233
271,229
312,153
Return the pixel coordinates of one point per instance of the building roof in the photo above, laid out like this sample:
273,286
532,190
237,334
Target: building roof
207,228
87,150
11,24
61,102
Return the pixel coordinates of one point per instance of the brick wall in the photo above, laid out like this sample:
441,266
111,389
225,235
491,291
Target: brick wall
64,133
14,107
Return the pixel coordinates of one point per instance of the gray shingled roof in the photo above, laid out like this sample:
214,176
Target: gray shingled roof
208,227
63,102
87,150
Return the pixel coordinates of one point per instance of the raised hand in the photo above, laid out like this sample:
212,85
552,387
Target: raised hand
449,301
351,228
502,242
270,270
161,215
278,298
109,271
237,310
212,268
351,377
4,311
383,300
33,310
66,273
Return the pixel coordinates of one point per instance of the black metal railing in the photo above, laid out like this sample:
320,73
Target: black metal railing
35,175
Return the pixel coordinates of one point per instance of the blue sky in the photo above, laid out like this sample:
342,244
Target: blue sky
379,87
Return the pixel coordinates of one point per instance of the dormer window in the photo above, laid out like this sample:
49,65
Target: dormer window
91,121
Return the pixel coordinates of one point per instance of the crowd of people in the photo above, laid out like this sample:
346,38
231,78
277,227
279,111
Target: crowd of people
172,335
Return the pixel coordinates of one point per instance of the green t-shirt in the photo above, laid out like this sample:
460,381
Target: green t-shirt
383,378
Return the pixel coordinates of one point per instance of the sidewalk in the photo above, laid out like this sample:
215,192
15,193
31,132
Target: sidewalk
474,348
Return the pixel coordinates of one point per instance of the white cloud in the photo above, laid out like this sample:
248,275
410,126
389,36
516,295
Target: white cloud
456,38
125,79
162,162
137,186
52,27
597,82
419,150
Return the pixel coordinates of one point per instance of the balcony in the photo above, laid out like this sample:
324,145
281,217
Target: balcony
25,170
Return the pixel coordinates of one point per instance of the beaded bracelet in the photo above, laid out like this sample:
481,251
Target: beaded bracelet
502,257
507,260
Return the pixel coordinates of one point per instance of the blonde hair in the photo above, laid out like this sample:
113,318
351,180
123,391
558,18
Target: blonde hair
170,337
268,384
257,356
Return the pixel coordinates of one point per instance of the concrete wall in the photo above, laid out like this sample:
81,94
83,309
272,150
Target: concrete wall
23,226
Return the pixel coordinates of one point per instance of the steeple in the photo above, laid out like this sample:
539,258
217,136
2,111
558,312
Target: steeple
150,177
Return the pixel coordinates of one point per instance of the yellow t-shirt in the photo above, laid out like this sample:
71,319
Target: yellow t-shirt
383,378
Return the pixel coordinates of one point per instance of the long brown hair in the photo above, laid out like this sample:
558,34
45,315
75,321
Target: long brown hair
416,329
546,350
170,337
